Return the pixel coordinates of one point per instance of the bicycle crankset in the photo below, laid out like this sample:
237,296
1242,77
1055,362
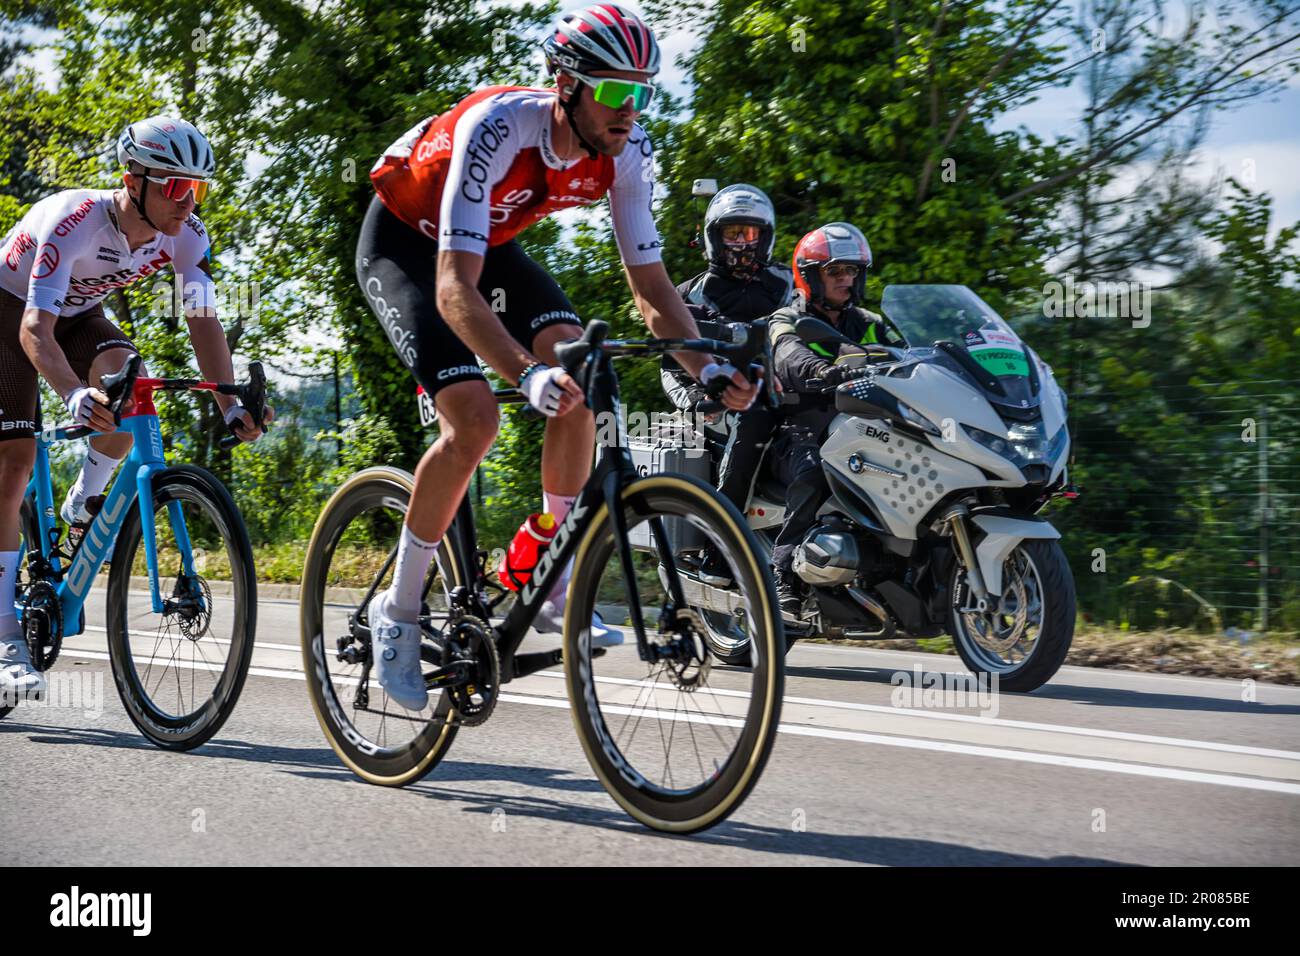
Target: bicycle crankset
469,639
43,624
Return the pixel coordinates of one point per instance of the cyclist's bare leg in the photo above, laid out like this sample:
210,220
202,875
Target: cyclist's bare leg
17,455
467,427
467,421
16,458
106,451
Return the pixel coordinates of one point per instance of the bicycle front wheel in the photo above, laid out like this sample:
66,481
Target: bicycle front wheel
677,741
180,671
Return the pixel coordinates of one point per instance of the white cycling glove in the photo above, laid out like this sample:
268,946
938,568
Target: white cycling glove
233,412
81,404
713,370
541,385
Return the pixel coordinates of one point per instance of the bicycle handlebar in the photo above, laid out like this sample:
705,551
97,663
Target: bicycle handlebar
121,385
753,344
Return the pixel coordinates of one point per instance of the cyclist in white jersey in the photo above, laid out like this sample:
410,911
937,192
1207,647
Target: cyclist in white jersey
57,264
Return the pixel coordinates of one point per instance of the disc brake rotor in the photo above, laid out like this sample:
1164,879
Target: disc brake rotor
194,612
689,668
999,631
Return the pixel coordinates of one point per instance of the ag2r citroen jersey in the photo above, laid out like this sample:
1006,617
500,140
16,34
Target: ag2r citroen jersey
67,253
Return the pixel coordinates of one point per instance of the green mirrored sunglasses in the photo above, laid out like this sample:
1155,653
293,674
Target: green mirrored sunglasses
614,93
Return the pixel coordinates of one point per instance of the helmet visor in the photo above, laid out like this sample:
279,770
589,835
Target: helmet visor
739,234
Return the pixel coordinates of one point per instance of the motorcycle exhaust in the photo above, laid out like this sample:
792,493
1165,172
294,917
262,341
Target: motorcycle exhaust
701,595
869,604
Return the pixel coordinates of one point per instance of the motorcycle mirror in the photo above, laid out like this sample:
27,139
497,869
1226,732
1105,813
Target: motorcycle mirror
815,330
704,188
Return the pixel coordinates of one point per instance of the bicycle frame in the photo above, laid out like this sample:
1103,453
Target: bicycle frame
134,480
613,471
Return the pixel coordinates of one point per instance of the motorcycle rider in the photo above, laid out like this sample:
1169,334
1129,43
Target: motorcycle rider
830,266
741,284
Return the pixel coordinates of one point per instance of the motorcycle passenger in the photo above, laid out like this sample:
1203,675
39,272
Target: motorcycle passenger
830,266
741,284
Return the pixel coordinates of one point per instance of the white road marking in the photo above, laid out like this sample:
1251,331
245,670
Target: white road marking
910,743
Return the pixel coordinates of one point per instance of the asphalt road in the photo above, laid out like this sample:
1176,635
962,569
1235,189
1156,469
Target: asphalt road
1096,768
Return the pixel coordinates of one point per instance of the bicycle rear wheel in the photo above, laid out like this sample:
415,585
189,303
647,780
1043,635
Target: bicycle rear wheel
349,560
180,673
629,713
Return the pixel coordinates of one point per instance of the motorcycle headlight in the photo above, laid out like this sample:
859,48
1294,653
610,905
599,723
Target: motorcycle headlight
913,417
1023,444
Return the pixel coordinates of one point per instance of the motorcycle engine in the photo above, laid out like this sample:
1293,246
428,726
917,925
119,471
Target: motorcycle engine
828,557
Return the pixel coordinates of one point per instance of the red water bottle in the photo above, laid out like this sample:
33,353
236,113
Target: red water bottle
525,550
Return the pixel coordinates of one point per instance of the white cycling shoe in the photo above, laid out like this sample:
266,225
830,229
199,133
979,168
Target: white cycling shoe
550,620
19,680
395,656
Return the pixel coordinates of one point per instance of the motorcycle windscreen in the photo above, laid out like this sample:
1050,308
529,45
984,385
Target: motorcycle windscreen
931,314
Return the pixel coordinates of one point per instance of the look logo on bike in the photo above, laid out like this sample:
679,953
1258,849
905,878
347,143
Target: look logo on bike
57,265
439,241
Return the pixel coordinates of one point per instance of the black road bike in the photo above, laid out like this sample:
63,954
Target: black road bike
677,741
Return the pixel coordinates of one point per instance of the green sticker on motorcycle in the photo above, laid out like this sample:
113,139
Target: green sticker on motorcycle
1001,361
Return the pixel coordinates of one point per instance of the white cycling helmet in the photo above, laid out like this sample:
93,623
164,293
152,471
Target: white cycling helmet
169,144
739,203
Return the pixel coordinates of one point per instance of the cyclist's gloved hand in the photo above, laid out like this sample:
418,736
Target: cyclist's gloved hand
738,393
241,423
713,370
550,390
89,406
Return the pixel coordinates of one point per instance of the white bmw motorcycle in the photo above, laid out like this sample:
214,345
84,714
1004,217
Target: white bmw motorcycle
942,453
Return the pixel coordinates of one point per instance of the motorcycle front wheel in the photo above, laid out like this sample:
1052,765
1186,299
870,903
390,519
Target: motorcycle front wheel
1025,641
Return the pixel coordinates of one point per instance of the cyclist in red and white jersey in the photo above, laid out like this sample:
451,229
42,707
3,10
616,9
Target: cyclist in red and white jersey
440,266
57,264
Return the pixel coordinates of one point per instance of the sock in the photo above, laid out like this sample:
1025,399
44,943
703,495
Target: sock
8,575
413,559
560,506
96,469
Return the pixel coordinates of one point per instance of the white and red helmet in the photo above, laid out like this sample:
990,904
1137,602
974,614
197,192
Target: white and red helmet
833,242
602,37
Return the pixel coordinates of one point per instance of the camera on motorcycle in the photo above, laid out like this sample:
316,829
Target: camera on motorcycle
704,188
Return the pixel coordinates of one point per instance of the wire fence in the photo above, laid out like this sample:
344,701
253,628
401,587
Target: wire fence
1189,508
